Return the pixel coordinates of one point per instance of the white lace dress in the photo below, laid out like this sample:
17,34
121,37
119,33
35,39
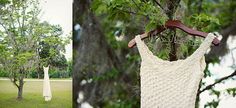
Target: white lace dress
174,84
46,85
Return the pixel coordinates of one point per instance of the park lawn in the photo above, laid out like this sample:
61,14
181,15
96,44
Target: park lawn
32,95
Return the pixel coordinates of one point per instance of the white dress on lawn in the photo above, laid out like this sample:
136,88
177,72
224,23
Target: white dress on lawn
46,85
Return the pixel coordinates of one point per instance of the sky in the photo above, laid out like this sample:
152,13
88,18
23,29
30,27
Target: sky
58,12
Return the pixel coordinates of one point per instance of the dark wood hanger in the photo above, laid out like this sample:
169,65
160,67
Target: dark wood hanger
172,24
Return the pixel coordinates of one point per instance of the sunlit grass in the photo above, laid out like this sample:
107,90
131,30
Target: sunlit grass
32,95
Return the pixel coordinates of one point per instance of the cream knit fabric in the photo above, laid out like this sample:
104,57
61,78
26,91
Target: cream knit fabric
174,84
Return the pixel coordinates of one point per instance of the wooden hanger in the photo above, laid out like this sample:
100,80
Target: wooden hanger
171,24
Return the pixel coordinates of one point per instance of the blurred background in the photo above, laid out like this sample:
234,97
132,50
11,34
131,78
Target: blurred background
106,71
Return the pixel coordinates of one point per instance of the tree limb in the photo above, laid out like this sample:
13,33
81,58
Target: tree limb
230,30
14,80
10,34
159,5
218,81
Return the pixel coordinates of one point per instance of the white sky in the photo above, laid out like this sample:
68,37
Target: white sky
59,12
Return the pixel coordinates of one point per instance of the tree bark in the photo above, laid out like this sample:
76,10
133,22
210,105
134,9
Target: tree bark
20,88
172,5
92,58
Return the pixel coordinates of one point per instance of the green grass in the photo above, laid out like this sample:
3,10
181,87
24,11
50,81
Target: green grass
32,95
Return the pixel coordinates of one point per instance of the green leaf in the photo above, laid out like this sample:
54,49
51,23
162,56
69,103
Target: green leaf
231,91
150,26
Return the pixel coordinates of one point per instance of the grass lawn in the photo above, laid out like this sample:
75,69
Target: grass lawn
33,95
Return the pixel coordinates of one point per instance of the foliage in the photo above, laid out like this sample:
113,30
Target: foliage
124,10
231,91
52,45
59,73
3,73
205,22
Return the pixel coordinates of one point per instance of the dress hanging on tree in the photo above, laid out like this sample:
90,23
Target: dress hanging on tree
174,84
46,85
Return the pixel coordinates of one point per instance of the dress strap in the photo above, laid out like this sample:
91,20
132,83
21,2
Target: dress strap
144,51
205,45
142,48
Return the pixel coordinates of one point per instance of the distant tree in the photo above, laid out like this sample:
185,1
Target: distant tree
51,47
69,67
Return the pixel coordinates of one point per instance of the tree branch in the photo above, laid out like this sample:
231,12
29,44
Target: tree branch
230,30
23,20
4,25
218,81
159,5
10,34
14,80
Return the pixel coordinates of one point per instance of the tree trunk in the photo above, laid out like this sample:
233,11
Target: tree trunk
20,88
38,75
39,71
172,6
92,58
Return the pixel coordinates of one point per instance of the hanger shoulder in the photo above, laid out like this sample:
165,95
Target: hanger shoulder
179,25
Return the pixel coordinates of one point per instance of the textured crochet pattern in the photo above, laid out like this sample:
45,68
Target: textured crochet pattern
171,84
